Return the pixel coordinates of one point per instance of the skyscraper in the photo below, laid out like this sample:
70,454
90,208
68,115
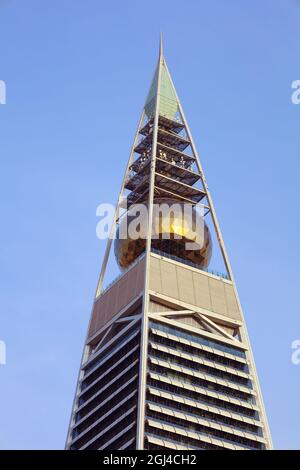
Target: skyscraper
167,362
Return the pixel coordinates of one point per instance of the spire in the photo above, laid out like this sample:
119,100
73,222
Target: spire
168,104
161,51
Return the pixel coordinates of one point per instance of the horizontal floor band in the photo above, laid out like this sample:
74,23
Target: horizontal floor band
200,375
203,391
202,406
199,360
189,418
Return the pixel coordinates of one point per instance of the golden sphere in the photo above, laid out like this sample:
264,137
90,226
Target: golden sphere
177,229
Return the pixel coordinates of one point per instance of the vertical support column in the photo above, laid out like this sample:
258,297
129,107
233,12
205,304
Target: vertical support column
244,332
144,321
117,209
101,277
85,355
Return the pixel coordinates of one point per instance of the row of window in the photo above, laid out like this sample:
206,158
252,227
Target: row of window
215,417
203,398
186,378
178,439
126,441
119,396
128,420
130,355
210,356
196,366
197,339
203,430
129,376
114,346
106,420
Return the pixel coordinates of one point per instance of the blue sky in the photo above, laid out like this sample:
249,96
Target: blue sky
77,74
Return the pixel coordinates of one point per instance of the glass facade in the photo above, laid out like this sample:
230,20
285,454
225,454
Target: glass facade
199,397
107,398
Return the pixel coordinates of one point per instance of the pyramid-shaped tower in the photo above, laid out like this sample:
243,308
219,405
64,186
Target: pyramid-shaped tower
167,363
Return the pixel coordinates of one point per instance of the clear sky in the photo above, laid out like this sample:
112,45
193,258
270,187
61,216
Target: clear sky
77,74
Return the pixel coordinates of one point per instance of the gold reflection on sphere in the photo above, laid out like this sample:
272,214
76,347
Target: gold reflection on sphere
177,229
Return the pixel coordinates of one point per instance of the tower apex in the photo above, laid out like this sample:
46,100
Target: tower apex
161,50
